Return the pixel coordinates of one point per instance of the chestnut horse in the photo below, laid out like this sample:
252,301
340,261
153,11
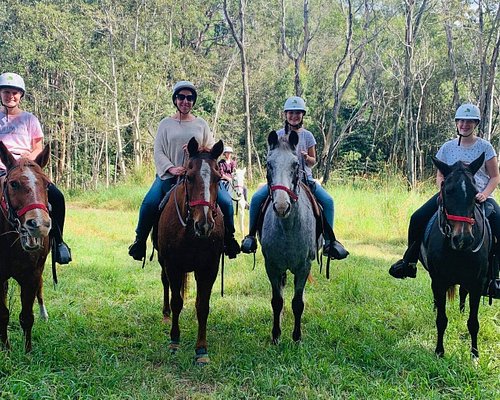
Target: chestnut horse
24,236
190,239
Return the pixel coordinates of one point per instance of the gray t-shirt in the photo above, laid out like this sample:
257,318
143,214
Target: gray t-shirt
306,141
450,152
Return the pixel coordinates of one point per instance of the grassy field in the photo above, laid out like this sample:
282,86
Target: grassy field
365,334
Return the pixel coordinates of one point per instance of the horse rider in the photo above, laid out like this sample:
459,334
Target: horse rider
22,134
173,134
295,110
466,148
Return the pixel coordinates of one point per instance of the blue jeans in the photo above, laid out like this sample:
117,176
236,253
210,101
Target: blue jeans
149,212
321,195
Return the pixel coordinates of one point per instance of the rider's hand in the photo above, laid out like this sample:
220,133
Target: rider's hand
480,197
176,170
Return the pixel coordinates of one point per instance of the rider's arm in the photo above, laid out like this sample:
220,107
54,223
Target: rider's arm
492,170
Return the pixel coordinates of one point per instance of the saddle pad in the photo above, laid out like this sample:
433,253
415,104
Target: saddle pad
429,226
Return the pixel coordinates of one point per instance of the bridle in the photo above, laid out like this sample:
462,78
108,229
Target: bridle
444,217
292,193
12,215
191,204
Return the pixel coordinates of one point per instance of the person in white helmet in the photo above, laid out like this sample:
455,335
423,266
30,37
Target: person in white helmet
227,164
169,155
295,109
22,134
466,148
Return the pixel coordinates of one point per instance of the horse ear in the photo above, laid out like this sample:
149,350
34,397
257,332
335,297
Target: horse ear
272,140
441,166
42,159
5,155
476,164
217,150
293,139
193,147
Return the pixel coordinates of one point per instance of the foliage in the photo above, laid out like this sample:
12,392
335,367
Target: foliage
82,60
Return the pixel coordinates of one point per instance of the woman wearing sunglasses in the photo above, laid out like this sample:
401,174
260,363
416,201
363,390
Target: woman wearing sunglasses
295,110
169,155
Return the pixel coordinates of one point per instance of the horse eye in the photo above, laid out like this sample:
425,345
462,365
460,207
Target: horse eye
14,185
189,178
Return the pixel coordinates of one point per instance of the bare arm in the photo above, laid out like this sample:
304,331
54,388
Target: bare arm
492,170
310,156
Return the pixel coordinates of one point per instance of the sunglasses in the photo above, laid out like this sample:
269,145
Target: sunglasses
182,97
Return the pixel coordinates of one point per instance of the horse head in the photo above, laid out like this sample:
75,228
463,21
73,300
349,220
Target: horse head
458,200
202,178
239,180
24,199
283,172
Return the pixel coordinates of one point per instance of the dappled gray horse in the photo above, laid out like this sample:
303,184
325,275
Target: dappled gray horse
288,232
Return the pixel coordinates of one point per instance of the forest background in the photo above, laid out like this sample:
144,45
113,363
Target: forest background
381,79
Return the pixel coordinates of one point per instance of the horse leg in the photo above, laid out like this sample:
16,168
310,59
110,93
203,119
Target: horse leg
4,315
298,305
204,284
28,293
441,318
242,214
166,296
277,283
39,296
463,295
473,322
177,302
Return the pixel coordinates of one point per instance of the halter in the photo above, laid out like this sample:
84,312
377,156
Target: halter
12,215
445,228
190,204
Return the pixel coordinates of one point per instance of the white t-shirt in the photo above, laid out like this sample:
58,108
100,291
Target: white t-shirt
450,152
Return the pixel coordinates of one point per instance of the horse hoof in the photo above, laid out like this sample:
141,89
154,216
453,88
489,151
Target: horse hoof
166,319
174,346
275,341
201,357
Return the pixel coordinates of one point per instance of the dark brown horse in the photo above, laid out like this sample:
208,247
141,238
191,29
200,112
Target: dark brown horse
24,236
458,246
190,239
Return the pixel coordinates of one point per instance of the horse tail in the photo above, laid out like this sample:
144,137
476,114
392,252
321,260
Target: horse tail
451,292
185,285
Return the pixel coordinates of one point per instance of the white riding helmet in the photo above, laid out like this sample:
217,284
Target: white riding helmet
181,85
468,111
12,80
228,149
295,103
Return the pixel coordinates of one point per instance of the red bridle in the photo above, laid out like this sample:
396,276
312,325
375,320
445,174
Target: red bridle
290,192
459,218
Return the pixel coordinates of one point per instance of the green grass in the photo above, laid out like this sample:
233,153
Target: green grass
365,334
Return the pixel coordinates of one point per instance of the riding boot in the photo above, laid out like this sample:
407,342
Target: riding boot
335,250
407,266
249,242
137,250
62,251
231,246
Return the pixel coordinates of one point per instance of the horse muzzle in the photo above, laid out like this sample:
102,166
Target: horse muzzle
461,241
282,208
203,229
33,232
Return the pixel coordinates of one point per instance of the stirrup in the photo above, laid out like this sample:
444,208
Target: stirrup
63,253
249,244
403,269
231,247
335,250
137,250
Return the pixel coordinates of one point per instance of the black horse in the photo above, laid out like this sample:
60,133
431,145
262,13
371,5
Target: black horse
458,245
